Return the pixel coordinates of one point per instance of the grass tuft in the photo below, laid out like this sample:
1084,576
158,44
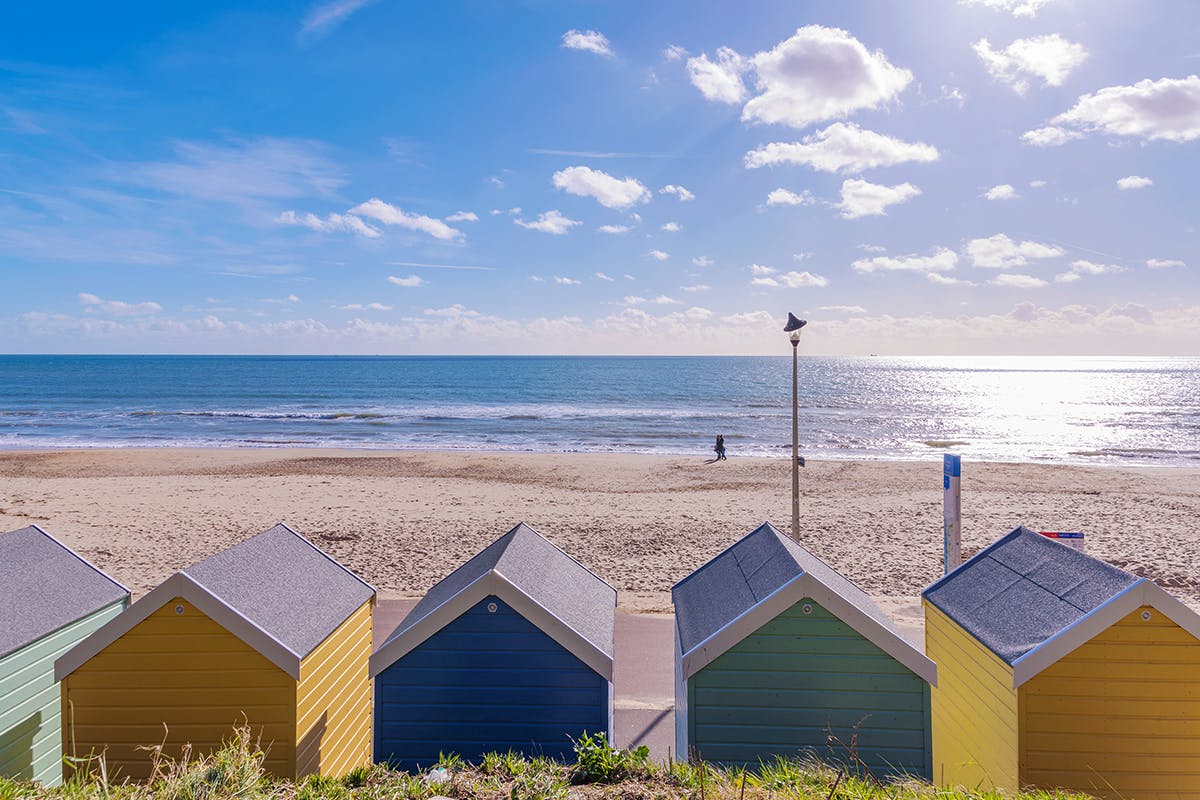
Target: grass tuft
600,772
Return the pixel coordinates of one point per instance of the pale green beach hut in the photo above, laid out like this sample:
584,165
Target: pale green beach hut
779,655
50,599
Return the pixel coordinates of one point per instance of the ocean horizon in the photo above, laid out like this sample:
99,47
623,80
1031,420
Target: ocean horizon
1086,410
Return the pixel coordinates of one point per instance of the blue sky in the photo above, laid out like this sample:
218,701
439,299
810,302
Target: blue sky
927,177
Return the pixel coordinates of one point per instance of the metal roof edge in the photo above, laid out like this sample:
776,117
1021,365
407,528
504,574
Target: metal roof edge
1142,592
724,638
491,582
400,644
1049,652
331,559
887,640
554,626
86,563
179,585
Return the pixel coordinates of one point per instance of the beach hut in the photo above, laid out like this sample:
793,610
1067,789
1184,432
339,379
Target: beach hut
1058,670
511,651
777,654
50,599
270,632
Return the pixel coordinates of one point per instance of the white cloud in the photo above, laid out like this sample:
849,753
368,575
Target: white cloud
1018,8
610,192
364,307
719,80
673,52
872,248
496,181
760,270
117,308
946,280
783,197
1168,108
634,300
1163,263
793,280
614,229
842,147
698,314
463,216
604,277
1002,191
1134,182
1012,280
672,227
843,309
324,18
1049,136
683,194
1051,58
661,300
591,41
329,223
1001,252
703,261
799,257
1067,277
942,260
1091,268
699,287
818,74
1037,184
864,199
551,222
388,214
659,255
537,279
566,281
410,281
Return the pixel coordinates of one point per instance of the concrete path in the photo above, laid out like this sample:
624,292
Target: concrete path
643,675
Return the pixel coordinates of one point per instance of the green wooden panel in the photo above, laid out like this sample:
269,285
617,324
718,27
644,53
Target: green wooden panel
30,704
800,679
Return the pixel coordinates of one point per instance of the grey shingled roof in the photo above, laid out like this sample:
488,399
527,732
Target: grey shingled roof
283,584
1023,589
44,585
745,574
558,583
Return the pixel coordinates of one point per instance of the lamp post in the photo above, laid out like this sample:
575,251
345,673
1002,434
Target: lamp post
792,329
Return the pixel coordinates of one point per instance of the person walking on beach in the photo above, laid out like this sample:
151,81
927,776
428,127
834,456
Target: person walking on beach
720,448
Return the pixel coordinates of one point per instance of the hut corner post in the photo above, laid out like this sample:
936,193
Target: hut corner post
951,512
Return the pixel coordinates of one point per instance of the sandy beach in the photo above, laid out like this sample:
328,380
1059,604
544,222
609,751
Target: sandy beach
403,520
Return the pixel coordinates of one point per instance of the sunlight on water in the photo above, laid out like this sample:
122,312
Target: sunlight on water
1085,410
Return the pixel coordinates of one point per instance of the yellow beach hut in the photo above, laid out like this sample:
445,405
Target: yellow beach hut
272,632
1060,671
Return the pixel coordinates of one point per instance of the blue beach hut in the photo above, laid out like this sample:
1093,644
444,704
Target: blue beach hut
511,651
776,652
50,599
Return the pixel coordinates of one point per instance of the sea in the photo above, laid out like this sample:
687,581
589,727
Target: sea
1129,411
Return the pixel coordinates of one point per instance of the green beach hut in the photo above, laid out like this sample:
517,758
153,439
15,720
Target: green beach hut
50,599
777,654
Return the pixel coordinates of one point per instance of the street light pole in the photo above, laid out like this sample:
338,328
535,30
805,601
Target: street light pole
792,329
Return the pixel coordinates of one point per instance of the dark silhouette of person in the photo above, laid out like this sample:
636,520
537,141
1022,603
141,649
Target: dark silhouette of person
720,448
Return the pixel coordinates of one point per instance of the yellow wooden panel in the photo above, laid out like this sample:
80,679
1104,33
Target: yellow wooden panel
974,709
197,684
334,700
1119,716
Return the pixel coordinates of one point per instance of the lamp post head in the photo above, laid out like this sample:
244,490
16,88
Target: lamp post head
793,327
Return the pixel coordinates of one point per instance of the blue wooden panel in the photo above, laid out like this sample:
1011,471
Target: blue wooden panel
488,681
798,680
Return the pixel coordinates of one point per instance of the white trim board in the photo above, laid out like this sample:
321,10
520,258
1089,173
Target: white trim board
786,596
1142,592
182,586
492,583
